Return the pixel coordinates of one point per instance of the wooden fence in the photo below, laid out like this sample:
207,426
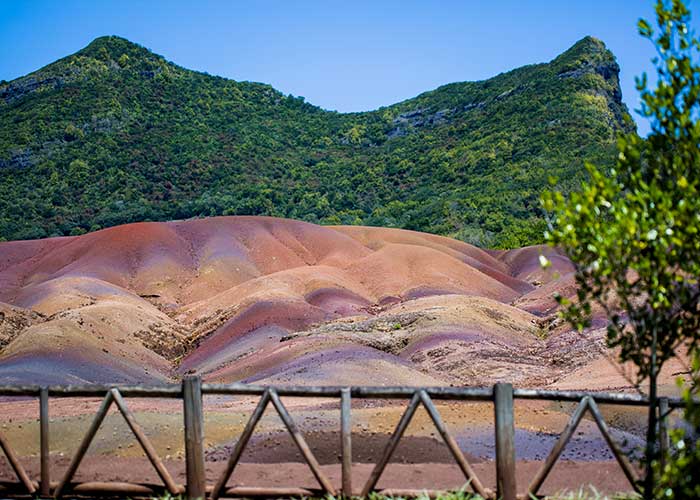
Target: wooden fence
191,391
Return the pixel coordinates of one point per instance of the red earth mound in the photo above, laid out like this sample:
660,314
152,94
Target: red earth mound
275,300
272,301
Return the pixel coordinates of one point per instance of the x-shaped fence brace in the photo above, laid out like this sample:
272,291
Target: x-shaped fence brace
114,396
421,397
192,392
589,404
270,395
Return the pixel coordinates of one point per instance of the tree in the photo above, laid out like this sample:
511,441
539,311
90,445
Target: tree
633,231
679,475
123,60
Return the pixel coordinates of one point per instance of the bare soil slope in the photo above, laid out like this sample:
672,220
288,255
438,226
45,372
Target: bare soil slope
275,300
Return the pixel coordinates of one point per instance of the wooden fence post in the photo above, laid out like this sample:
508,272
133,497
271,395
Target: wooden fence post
346,441
194,437
45,482
505,441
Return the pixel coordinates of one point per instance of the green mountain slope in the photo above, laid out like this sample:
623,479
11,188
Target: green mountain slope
115,134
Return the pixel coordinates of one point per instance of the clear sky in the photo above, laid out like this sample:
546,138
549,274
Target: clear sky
342,55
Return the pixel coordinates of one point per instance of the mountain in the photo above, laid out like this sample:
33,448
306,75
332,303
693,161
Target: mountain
115,134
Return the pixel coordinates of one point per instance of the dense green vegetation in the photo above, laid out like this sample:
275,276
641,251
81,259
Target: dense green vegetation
632,232
116,134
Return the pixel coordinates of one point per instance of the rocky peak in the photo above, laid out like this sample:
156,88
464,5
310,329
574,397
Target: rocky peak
587,55
590,56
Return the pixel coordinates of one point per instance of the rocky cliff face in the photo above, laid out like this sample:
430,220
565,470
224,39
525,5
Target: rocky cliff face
590,58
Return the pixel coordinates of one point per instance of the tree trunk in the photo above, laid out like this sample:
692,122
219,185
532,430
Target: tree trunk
651,447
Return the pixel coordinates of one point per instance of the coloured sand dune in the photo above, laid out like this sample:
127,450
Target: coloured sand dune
282,301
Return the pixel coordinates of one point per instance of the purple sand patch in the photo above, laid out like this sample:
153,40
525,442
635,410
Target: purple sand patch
55,369
389,300
586,445
435,339
292,316
420,292
249,342
98,287
350,352
337,301
511,282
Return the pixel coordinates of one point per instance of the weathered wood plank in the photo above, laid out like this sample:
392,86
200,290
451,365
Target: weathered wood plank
16,465
505,441
84,445
267,492
145,443
450,393
614,447
301,444
101,488
346,441
44,452
559,446
194,437
240,446
391,445
576,396
452,445
412,493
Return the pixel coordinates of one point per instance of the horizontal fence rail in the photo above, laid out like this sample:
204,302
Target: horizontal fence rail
358,392
191,391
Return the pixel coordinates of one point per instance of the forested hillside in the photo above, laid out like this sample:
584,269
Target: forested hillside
115,134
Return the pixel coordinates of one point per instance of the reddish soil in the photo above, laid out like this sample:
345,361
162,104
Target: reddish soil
271,459
606,476
258,298
275,301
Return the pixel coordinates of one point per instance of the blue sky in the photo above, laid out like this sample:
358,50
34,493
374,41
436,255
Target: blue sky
344,55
